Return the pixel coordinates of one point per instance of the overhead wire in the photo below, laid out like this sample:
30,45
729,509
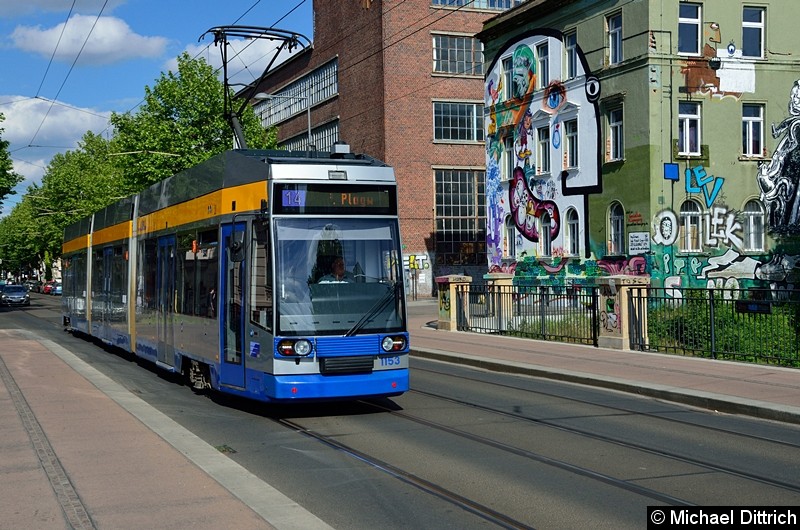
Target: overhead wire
69,72
55,48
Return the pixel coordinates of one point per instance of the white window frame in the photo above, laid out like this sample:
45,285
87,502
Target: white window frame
451,118
614,28
571,142
573,232
510,237
689,128
509,158
545,238
571,54
754,28
543,149
616,134
691,236
508,76
543,64
688,23
753,226
753,130
457,55
616,229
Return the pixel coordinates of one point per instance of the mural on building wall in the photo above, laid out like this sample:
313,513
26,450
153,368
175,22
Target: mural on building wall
536,169
778,178
522,190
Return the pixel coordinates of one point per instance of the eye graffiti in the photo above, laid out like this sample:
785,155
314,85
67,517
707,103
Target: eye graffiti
526,208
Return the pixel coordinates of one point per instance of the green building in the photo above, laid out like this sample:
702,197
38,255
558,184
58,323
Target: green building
642,137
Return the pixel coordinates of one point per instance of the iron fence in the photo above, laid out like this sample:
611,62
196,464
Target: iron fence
565,314
739,324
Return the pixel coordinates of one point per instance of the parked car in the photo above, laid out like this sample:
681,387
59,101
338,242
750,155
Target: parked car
48,286
15,295
56,290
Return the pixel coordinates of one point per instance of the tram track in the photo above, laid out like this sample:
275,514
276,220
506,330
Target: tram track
482,511
608,439
660,417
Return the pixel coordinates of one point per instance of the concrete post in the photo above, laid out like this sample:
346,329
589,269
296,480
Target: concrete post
498,298
613,309
448,319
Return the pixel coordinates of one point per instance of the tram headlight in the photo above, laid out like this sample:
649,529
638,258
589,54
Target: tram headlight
295,348
392,343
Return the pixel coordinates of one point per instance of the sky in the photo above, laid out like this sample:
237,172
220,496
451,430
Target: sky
68,64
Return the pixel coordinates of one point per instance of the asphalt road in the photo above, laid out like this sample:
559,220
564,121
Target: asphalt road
472,449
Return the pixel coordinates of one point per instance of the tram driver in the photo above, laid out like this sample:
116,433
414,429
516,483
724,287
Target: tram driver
338,272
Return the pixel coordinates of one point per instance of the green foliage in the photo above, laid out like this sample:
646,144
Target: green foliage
181,123
8,178
685,326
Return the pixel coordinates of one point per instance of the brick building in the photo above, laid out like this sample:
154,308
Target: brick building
401,81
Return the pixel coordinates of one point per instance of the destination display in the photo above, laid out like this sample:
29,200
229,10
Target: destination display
334,199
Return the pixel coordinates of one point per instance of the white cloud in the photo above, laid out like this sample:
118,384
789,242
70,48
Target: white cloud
34,139
111,41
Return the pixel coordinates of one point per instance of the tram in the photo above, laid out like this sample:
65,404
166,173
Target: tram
227,274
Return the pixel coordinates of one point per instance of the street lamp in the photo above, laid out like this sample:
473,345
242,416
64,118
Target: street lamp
263,96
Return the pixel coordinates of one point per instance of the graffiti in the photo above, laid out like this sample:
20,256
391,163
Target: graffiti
508,268
523,145
634,266
722,225
609,317
778,178
524,75
444,303
702,184
732,78
517,196
496,212
419,262
666,228
555,95
526,209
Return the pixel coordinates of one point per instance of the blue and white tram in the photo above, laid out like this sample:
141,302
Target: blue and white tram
271,275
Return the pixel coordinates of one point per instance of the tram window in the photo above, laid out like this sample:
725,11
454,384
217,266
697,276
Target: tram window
185,276
261,278
196,275
146,283
207,270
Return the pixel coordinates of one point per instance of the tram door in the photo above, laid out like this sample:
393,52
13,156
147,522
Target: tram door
105,294
165,283
232,312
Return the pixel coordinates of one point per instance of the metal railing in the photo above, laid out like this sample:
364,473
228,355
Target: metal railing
750,325
565,314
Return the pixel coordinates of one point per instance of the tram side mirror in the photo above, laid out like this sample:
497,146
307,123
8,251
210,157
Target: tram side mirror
236,247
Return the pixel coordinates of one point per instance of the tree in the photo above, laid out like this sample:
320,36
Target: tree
8,178
180,124
76,184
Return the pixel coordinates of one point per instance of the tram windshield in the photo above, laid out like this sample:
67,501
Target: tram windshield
337,277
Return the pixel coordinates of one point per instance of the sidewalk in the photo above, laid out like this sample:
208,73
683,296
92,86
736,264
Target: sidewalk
762,391
80,451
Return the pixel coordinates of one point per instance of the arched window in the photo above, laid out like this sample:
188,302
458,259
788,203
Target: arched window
616,229
509,238
573,243
691,227
753,226
547,243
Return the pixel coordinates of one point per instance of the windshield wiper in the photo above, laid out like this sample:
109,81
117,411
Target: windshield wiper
379,306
